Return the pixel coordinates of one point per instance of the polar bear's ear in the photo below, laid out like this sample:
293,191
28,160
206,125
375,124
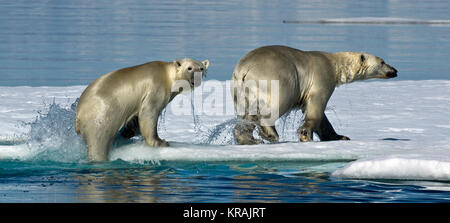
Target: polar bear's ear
177,63
206,63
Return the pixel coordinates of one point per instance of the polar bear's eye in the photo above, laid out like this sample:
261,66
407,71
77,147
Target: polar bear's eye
363,58
189,68
201,69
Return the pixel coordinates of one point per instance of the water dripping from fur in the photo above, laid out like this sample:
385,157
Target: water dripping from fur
288,124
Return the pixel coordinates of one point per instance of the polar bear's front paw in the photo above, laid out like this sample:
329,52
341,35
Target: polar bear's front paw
157,143
164,143
305,135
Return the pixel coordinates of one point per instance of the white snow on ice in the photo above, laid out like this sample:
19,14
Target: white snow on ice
399,130
398,166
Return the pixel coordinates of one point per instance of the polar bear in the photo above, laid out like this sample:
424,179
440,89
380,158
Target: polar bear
306,80
133,98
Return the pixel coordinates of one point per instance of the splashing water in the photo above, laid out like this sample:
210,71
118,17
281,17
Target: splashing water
52,135
221,134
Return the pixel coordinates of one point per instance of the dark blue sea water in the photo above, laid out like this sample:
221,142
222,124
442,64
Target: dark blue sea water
64,43
119,181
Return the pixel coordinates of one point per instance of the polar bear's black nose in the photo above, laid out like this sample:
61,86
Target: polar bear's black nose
392,73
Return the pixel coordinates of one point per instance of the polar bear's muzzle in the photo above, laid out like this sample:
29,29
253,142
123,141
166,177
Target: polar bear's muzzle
388,71
392,73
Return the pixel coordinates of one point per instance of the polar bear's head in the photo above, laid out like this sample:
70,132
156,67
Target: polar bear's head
191,70
354,66
375,67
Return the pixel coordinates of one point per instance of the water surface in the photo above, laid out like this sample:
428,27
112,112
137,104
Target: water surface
72,43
